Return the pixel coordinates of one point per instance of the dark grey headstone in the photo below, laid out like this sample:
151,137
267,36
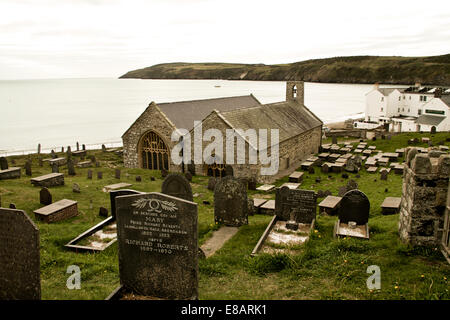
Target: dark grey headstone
354,206
311,170
383,174
55,168
230,202
351,165
20,274
99,175
12,206
3,163
45,197
103,148
89,174
160,257
117,173
39,149
70,167
433,130
342,190
325,168
298,205
188,176
212,183
78,146
53,154
152,178
28,168
334,140
116,193
138,178
83,147
103,212
176,185
164,173
251,183
191,168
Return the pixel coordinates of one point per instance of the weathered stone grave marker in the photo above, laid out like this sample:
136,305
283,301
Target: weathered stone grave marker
45,197
20,275
160,258
176,185
302,203
353,214
230,202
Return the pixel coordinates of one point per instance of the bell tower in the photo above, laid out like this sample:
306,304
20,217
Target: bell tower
295,91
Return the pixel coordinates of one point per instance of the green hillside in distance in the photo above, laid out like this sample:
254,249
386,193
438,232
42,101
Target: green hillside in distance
432,70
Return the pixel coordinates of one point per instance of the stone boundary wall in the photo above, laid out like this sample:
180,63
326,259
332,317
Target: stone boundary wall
424,195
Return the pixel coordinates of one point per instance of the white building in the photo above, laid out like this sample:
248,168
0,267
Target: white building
415,108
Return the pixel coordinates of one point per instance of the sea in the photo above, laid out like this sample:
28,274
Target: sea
96,111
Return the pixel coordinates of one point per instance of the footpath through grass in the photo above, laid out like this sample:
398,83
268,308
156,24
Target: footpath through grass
324,268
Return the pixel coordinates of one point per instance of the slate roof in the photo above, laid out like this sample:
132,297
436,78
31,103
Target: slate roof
289,117
430,120
446,99
184,113
386,91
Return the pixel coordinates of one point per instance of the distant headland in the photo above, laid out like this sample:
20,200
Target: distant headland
433,70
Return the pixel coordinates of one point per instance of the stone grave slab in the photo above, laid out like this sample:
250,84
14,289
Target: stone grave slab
330,205
79,153
268,208
266,187
370,162
290,185
230,202
306,165
257,203
58,161
57,211
443,148
10,173
337,167
367,152
401,152
334,156
392,156
296,177
20,274
398,169
391,205
312,159
116,186
49,180
324,155
84,164
371,148
372,169
176,185
158,246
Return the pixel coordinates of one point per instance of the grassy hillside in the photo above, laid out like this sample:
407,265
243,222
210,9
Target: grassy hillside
358,69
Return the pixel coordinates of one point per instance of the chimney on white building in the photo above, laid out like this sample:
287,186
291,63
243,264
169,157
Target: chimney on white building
417,85
376,86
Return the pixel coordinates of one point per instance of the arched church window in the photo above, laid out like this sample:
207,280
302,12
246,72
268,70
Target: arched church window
154,152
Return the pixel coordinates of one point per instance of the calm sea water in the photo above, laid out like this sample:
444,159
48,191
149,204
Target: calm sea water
61,112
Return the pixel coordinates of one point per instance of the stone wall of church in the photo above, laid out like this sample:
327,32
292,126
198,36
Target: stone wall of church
151,120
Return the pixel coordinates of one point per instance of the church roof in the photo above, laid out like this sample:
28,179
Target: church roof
430,120
289,117
184,113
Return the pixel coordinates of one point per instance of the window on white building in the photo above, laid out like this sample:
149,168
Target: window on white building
424,98
398,110
381,109
382,99
419,112
399,98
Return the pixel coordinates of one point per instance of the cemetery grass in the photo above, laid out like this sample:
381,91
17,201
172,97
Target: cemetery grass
324,268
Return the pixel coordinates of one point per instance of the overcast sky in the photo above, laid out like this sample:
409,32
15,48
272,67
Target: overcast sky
106,38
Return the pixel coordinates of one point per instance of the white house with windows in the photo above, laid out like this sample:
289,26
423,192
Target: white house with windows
416,108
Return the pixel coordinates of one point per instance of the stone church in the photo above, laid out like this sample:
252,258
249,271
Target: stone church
147,143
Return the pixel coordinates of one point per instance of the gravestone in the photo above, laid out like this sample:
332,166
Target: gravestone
113,194
164,173
12,206
383,174
191,168
45,197
298,205
103,148
354,206
70,167
62,149
117,173
176,185
20,274
76,188
342,190
53,155
138,178
351,165
83,147
39,149
433,130
3,163
160,258
352,184
188,176
334,140
99,175
152,178
212,183
229,170
311,170
325,168
251,183
89,174
103,212
78,146
230,202
28,168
